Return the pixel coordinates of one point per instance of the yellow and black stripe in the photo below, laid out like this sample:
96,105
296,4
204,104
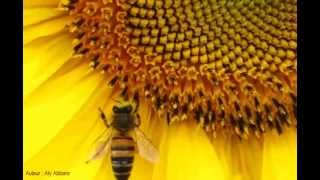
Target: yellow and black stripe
122,156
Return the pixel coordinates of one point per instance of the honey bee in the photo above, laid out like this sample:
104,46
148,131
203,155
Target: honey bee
121,138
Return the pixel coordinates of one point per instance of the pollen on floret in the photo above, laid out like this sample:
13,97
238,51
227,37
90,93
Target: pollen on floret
228,65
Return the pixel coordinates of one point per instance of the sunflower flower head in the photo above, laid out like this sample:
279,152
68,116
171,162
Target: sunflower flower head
228,65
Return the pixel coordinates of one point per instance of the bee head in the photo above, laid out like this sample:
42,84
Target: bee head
122,109
123,106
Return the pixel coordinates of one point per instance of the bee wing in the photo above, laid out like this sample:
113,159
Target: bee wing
145,148
102,145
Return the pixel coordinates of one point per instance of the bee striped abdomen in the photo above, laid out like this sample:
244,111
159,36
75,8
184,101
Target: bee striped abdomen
122,156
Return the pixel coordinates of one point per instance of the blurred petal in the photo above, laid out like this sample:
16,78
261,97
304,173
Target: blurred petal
40,14
69,150
43,57
45,28
187,154
280,156
247,158
105,170
53,104
222,145
242,157
37,3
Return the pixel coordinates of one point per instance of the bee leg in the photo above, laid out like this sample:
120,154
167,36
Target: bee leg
103,117
138,120
137,106
136,99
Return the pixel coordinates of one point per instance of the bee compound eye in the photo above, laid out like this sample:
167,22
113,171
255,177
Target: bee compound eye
115,109
129,109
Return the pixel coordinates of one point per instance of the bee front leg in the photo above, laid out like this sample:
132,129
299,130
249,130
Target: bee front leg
137,120
103,118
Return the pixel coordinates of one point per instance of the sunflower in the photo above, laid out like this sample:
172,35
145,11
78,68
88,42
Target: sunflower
215,81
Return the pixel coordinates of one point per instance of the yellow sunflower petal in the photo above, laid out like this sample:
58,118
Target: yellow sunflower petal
42,58
280,156
38,3
105,170
39,15
222,145
246,158
242,157
69,150
188,154
46,28
48,108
